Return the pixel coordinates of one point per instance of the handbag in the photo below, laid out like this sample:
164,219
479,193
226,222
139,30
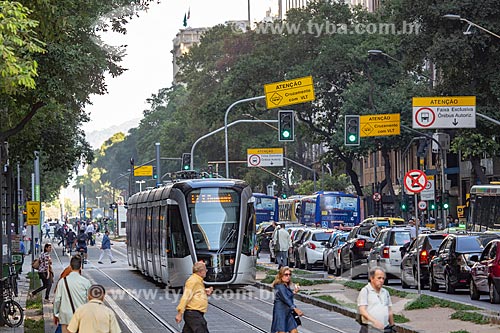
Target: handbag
296,317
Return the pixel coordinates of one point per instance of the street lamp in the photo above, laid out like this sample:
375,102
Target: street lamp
378,53
470,23
98,202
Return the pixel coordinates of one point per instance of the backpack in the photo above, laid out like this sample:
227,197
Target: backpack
35,264
82,238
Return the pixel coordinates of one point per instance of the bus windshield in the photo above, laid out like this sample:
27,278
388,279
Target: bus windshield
265,204
485,212
214,214
336,202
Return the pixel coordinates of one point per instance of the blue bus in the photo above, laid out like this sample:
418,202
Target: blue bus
330,209
266,208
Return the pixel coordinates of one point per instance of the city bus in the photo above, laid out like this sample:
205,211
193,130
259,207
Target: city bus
330,209
484,208
266,208
289,209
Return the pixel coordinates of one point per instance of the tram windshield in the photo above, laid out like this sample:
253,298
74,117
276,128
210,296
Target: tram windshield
214,214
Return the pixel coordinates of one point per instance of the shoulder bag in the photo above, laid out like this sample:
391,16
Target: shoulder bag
296,317
69,295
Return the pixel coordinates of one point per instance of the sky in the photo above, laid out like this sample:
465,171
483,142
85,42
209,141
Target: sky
148,58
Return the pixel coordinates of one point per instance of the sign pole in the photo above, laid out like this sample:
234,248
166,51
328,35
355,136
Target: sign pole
417,225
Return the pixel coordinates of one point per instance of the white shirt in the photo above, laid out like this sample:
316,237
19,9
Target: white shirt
90,228
377,304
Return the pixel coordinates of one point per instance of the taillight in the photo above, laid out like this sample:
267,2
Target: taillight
385,252
360,243
424,257
338,251
312,246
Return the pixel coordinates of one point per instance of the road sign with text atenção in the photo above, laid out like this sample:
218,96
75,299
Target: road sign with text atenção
444,112
380,124
265,157
289,92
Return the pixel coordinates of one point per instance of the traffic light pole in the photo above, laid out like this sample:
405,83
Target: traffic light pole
225,126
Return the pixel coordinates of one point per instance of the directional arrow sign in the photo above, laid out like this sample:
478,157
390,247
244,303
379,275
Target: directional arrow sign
444,112
33,212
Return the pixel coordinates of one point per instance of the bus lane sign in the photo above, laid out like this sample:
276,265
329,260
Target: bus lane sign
264,157
444,112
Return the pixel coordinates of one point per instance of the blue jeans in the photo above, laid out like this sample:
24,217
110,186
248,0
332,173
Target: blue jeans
282,258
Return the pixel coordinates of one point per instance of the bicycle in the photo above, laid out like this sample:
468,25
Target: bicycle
12,313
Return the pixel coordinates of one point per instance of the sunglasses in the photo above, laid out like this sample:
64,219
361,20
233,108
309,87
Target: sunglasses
287,274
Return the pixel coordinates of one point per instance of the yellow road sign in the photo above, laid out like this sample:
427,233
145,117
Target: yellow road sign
251,151
460,211
143,171
33,212
380,124
289,92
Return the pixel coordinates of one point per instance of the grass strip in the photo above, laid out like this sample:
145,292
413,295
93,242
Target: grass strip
328,299
426,301
34,326
461,331
473,317
400,319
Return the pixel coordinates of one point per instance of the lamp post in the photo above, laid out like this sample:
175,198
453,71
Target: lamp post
98,202
378,53
470,23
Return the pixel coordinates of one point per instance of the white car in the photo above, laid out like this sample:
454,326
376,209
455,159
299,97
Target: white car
312,247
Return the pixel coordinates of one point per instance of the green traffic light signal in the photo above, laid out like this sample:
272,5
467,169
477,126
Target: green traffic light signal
186,161
404,207
446,205
285,125
351,130
432,206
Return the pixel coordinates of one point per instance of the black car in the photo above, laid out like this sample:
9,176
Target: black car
354,252
451,267
427,247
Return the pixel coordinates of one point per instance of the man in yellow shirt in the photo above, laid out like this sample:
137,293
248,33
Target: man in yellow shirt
194,301
94,316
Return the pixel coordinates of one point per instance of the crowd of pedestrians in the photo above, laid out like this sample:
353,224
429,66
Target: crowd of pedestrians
77,305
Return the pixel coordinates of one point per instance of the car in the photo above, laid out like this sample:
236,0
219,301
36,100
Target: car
312,247
264,234
386,252
331,255
385,221
452,264
427,247
293,256
485,274
354,252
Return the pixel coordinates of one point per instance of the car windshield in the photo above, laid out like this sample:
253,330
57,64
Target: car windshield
468,244
435,241
321,236
400,238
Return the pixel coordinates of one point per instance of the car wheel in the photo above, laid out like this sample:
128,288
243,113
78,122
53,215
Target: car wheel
351,265
338,270
494,294
309,266
329,269
432,284
473,292
449,288
301,265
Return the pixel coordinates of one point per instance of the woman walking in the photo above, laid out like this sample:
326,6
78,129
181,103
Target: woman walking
283,320
45,272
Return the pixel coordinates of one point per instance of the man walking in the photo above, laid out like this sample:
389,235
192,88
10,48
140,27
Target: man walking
94,316
374,304
194,301
106,248
71,293
284,243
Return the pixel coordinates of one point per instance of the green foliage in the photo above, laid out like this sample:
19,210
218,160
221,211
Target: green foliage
400,319
473,317
460,331
328,298
34,326
425,301
18,44
354,285
330,183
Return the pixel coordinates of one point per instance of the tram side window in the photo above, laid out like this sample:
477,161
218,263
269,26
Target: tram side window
178,243
249,235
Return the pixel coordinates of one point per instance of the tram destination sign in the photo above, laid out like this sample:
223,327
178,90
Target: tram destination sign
289,92
444,112
379,124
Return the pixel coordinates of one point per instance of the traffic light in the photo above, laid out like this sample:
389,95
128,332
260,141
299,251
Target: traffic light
286,125
155,173
432,206
404,206
446,203
210,171
351,130
186,161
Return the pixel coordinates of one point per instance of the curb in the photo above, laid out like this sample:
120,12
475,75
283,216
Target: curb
333,307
